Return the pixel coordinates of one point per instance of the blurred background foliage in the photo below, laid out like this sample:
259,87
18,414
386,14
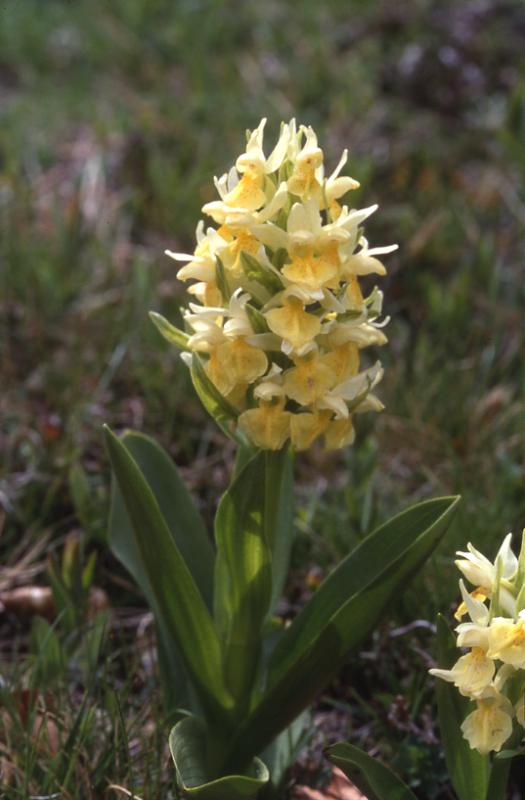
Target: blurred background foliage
115,115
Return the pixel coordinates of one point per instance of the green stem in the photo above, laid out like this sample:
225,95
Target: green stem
499,773
278,515
499,776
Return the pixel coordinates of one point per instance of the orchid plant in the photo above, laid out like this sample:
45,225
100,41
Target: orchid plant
273,336
489,712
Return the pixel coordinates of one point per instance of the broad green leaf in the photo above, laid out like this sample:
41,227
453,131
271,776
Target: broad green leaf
177,598
172,334
243,580
244,453
279,515
468,770
372,777
373,567
342,612
283,751
191,537
189,751
176,506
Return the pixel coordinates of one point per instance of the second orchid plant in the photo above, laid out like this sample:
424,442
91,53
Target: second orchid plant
273,336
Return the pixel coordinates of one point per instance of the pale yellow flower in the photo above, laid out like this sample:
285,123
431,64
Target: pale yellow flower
479,571
308,380
281,319
307,173
335,186
364,261
206,293
339,433
471,674
361,333
490,725
248,194
267,426
355,390
507,641
202,262
476,594
235,362
239,240
475,633
343,360
494,670
241,197
253,166
313,269
306,427
293,324
353,293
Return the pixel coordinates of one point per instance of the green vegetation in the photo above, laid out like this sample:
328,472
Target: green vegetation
114,116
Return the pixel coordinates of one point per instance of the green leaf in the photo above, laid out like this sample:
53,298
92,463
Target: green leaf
93,641
172,334
176,506
375,780
190,754
499,777
49,657
243,579
279,515
63,598
88,572
178,602
468,770
284,750
244,453
342,612
189,533
80,493
255,271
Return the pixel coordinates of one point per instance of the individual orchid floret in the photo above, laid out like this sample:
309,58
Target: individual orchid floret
479,571
507,640
471,674
307,174
279,320
482,573
488,727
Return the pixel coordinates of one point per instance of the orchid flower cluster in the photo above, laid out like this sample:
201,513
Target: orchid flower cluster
492,672
279,317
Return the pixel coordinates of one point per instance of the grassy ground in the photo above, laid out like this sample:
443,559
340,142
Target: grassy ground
114,116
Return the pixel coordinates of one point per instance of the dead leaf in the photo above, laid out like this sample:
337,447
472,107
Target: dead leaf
28,601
